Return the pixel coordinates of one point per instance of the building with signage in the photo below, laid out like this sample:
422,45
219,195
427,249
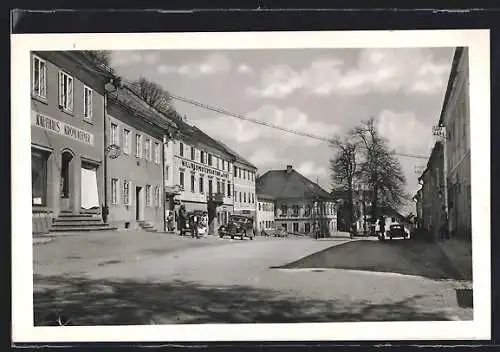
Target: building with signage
300,204
432,197
134,178
455,120
67,145
265,212
201,167
244,174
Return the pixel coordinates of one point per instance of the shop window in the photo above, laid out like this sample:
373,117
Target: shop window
39,177
65,91
295,227
307,227
39,77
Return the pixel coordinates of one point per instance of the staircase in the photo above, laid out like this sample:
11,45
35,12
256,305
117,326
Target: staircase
147,226
83,222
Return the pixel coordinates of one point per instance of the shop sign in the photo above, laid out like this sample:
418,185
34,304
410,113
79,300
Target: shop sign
204,169
59,127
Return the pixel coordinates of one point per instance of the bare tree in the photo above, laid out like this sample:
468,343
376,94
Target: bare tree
100,57
156,96
379,168
344,170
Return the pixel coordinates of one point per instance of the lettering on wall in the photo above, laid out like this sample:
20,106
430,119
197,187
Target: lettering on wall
204,169
59,127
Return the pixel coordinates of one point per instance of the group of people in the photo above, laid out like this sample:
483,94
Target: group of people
186,223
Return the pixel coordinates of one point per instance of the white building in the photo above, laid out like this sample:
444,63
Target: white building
265,212
245,199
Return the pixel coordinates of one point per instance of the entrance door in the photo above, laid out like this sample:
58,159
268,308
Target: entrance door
66,180
138,203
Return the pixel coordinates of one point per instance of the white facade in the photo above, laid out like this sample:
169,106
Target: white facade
265,214
245,199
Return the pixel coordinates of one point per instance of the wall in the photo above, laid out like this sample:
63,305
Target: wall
55,143
265,215
138,171
244,184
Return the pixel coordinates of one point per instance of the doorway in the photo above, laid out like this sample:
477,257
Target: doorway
138,204
66,180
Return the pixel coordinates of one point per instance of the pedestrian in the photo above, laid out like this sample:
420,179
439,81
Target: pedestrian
381,223
182,219
170,221
194,226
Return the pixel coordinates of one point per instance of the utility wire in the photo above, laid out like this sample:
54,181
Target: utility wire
259,122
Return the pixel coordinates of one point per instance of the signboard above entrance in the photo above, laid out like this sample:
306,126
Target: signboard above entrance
204,169
59,127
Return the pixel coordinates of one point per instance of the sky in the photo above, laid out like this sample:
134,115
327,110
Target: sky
319,91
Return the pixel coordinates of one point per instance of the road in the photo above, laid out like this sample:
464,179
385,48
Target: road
165,280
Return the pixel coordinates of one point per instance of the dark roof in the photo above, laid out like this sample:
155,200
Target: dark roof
289,184
264,196
126,98
453,73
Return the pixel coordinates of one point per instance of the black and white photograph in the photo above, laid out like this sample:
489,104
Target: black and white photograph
236,186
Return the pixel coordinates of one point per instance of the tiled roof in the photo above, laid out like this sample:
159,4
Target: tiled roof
128,99
289,184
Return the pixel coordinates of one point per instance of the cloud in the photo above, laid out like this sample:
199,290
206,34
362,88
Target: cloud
377,70
401,129
125,58
311,170
244,69
241,131
212,64
264,157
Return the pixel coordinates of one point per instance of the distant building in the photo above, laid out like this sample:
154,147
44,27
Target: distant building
455,117
135,178
265,212
245,201
67,145
432,196
299,203
417,198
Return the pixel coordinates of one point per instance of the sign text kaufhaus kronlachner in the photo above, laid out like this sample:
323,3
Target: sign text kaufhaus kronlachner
59,127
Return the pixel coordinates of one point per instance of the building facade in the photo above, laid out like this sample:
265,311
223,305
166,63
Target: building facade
455,117
265,213
135,178
201,168
67,117
245,200
300,205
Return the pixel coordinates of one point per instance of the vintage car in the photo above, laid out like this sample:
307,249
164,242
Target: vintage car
392,229
202,223
238,226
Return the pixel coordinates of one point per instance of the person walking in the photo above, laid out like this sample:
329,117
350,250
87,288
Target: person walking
182,219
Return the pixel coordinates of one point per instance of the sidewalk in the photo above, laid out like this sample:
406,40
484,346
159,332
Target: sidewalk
460,254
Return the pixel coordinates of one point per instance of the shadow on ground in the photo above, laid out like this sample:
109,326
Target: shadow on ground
101,302
419,258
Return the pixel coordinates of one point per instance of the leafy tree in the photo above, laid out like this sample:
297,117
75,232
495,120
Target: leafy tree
379,168
344,170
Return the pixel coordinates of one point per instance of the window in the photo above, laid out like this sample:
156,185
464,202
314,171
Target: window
138,145
38,177
253,198
295,210
192,183
201,184
157,153
157,196
126,141
307,227
148,149
244,197
39,77
218,162
229,190
223,188
181,179
181,149
126,192
114,134
240,197
295,227
223,165
65,91
87,102
284,210
202,157
235,173
218,186
239,173
259,207
307,210
210,186
148,195
210,159
244,174
114,191
193,153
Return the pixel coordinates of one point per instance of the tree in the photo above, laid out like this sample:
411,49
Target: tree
379,168
344,170
156,96
100,57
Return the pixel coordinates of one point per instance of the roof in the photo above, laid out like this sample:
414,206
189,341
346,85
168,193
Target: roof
126,98
289,184
453,73
262,196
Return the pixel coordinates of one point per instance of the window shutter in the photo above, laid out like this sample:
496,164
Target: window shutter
130,193
61,89
70,93
43,83
118,190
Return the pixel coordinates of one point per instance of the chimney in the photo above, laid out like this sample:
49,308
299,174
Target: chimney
289,168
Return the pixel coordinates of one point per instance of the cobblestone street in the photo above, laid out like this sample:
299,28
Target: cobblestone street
164,279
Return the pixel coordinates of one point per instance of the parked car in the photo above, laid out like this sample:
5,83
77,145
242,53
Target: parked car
199,217
238,226
392,229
